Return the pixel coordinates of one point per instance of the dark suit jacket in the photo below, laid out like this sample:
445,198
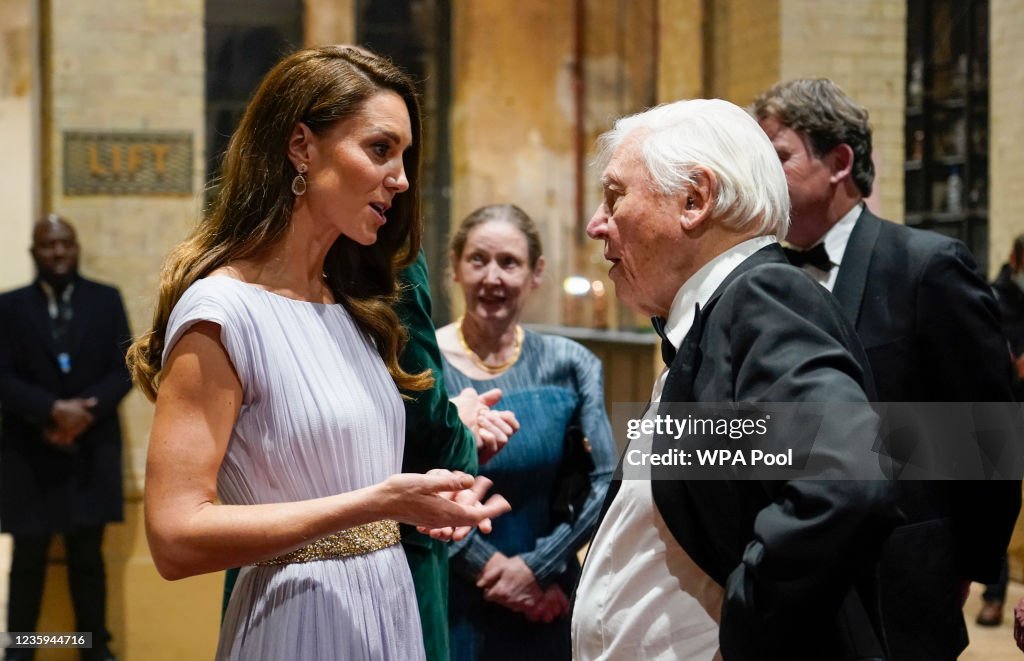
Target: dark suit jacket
795,558
43,489
929,325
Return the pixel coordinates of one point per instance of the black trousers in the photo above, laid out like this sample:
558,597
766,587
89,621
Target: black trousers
86,577
997,591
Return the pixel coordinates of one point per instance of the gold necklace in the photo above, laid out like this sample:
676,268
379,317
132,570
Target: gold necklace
492,369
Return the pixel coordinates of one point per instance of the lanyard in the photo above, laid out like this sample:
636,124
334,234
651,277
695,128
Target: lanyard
60,312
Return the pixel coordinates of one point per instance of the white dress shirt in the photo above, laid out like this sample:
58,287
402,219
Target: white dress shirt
641,596
835,241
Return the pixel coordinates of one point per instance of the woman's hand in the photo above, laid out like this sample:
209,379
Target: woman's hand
509,582
553,605
492,429
444,504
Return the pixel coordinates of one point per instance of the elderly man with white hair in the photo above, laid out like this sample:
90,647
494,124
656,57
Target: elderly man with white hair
695,201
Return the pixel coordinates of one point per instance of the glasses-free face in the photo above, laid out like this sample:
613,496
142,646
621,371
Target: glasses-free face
494,272
642,233
55,251
356,168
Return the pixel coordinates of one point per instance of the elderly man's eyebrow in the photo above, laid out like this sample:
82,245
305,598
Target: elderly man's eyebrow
609,180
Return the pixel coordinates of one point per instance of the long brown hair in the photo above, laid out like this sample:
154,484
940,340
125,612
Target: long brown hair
252,209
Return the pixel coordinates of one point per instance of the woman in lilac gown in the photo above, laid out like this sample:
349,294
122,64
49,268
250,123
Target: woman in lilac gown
278,434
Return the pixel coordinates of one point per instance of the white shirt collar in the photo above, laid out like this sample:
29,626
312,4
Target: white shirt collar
838,235
835,240
699,287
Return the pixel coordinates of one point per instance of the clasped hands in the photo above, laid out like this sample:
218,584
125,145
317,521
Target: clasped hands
509,582
69,418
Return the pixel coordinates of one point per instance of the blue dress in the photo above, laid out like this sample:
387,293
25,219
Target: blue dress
554,381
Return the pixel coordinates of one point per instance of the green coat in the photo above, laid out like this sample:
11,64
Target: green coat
434,438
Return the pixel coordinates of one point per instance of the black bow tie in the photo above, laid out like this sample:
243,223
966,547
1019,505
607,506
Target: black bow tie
668,352
816,257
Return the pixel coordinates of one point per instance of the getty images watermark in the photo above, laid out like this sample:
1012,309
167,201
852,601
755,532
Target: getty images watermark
813,440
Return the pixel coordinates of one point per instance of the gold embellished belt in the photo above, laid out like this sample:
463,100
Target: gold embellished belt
359,540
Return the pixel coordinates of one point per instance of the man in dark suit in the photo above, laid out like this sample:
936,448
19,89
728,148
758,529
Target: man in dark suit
929,324
62,376
742,568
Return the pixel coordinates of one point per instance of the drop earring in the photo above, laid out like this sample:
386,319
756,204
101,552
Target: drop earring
299,182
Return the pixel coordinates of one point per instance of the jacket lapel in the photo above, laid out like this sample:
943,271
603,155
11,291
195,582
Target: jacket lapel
853,272
80,304
682,371
39,317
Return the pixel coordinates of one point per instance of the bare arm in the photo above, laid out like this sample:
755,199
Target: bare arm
188,533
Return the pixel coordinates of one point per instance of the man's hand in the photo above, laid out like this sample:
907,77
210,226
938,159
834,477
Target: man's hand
509,582
70,418
492,429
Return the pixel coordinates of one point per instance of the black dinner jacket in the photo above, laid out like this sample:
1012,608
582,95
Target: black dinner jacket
43,489
930,327
796,558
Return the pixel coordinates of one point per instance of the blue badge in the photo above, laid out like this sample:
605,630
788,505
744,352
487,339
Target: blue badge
64,360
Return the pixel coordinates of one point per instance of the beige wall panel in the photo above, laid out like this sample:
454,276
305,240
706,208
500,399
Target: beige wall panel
18,128
512,119
620,78
330,22
1006,161
680,50
862,47
744,49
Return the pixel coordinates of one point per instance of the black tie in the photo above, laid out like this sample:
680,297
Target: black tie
816,257
668,352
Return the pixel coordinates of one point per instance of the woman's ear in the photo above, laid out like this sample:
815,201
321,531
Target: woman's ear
299,144
538,271
698,198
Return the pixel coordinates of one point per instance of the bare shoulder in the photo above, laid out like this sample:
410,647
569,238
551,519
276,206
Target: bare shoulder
199,364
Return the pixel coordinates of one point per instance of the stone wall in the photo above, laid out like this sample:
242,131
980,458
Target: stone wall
18,123
1006,126
862,47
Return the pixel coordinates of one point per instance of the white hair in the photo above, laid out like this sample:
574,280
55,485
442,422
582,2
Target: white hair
678,137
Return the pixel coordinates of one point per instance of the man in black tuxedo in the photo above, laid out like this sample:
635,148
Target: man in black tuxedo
694,199
929,324
62,376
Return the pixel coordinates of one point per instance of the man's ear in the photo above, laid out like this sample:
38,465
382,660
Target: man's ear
299,144
699,198
841,162
538,271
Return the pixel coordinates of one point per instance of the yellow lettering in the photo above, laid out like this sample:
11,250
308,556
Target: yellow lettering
160,156
95,168
134,158
115,159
